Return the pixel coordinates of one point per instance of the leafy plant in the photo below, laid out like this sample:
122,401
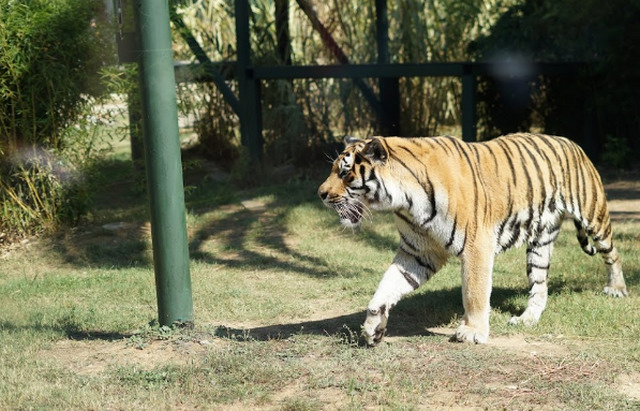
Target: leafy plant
616,153
49,55
39,190
601,99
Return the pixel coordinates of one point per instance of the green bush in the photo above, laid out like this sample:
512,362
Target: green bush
600,101
50,53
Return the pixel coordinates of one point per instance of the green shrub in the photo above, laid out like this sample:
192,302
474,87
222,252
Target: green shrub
597,103
38,191
50,52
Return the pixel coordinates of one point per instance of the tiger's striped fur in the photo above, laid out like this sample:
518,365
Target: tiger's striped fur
472,200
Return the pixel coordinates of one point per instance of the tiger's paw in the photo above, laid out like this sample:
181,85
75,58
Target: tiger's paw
616,292
527,322
375,325
527,319
468,334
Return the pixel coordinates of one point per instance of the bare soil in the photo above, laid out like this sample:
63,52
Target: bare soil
624,199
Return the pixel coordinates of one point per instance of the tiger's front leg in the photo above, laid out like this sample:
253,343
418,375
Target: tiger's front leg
397,282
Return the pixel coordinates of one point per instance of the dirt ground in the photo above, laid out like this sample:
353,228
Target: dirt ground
624,199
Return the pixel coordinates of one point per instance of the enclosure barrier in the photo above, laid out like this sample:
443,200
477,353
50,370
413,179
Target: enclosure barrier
467,71
386,106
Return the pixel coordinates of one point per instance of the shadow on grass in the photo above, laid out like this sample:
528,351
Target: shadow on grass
105,248
413,316
115,232
269,250
69,331
118,234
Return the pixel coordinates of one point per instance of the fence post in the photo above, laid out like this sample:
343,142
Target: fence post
389,86
164,168
248,85
469,118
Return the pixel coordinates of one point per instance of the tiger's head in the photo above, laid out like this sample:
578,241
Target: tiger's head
353,185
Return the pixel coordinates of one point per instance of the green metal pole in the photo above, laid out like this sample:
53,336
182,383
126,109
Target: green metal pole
164,168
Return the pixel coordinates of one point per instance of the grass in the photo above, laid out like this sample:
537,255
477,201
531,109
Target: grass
279,290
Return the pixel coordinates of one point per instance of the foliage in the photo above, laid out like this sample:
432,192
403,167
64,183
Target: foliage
602,35
301,117
47,68
39,190
49,54
617,153
435,31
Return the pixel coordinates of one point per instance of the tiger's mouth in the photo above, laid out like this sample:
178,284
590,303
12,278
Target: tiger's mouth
350,213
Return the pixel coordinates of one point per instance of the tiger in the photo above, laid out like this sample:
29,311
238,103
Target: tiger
471,200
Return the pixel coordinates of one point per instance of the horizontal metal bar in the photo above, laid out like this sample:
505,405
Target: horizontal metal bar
198,72
455,69
359,71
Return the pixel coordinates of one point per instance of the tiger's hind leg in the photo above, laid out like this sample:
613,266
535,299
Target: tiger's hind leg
603,245
538,260
616,286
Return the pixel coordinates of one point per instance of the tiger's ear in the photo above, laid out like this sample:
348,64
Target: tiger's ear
350,140
375,151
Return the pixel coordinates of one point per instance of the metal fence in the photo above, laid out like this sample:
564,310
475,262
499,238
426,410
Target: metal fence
386,104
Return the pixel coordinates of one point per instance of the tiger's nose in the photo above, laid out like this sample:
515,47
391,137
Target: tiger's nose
323,193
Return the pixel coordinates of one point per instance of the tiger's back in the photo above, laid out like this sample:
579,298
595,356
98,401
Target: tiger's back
472,200
524,184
